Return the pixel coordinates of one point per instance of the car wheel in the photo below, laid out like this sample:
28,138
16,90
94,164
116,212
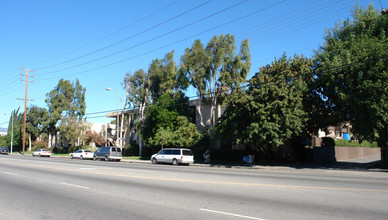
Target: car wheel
106,158
71,156
94,157
174,162
81,157
40,155
154,161
33,155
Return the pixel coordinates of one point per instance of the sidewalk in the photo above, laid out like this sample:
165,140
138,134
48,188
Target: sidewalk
370,163
362,163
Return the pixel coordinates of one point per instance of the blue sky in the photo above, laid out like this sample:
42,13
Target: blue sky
98,42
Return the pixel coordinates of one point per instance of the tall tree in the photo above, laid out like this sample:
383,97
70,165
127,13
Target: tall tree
195,63
66,100
216,69
15,121
165,78
35,122
352,74
227,70
138,92
271,111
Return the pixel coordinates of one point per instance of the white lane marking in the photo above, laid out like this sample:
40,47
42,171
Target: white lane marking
231,214
78,186
11,173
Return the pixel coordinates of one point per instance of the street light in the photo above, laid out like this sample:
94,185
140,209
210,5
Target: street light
117,119
11,133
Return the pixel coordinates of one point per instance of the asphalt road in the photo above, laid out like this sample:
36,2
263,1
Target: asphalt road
54,188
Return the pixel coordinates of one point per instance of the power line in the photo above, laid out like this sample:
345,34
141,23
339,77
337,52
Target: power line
108,35
150,40
291,29
121,41
289,21
363,60
276,20
176,42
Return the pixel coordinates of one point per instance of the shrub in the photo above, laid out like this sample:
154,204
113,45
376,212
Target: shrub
131,150
345,143
39,144
93,137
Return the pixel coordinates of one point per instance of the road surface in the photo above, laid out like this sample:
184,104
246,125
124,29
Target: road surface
54,188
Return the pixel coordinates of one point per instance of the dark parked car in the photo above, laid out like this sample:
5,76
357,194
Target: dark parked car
4,150
108,153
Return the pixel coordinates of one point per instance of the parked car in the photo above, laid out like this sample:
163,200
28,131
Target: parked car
4,150
41,153
82,154
108,154
174,156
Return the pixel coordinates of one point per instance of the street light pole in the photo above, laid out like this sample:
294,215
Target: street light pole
117,118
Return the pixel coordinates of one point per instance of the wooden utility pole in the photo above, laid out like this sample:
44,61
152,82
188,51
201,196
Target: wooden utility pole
25,108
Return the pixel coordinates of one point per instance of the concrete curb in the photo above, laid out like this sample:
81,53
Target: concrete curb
357,164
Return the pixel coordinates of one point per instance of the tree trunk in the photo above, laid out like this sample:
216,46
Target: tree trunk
49,140
199,110
29,142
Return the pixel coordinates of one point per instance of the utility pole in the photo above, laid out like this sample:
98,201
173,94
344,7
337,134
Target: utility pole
25,106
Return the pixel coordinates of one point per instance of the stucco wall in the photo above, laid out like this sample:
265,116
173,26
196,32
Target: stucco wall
348,153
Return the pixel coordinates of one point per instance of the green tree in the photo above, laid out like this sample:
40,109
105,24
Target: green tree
17,119
71,129
167,123
35,122
137,86
352,74
138,91
271,111
65,101
216,70
164,77
227,70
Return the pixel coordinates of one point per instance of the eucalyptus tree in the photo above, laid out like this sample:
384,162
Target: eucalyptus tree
138,90
195,63
138,95
216,70
66,100
164,77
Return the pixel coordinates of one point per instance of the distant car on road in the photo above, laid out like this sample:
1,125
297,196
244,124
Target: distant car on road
82,154
108,154
41,153
4,150
174,156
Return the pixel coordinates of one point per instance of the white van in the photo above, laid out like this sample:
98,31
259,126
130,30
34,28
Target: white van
174,156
